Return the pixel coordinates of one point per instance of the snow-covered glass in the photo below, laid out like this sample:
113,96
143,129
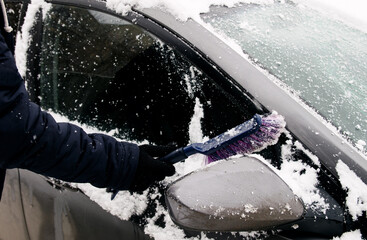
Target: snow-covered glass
323,60
13,10
111,74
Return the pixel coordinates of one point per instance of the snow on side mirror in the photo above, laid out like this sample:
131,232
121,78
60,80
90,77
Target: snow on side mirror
235,195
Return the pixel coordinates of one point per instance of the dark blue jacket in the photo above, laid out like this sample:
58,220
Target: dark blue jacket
31,139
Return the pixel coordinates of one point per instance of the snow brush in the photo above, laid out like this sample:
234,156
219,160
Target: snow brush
251,136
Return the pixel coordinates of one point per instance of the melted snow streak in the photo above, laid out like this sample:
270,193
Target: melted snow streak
195,131
24,37
356,189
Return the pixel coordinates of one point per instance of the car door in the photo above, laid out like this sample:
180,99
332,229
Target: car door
12,221
54,210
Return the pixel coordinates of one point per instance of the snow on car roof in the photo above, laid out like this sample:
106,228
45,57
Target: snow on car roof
351,11
182,9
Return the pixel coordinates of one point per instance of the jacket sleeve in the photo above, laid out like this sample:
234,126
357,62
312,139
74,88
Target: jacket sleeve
31,139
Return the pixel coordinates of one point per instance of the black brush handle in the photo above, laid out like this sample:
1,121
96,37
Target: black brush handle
175,156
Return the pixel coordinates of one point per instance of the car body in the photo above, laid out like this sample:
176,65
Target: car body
139,76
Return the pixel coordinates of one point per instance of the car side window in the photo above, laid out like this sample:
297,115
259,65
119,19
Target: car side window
113,75
13,10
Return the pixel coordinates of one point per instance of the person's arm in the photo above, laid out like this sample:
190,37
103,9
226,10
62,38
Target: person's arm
31,139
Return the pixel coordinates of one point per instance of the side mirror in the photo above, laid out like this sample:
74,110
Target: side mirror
235,195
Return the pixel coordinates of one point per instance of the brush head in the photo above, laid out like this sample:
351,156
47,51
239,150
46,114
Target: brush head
267,133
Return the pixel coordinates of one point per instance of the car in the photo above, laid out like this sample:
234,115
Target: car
146,76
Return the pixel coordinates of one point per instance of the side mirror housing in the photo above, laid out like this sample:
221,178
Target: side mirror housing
243,194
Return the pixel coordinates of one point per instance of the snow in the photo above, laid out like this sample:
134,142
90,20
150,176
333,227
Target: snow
24,37
354,235
314,159
196,134
125,204
356,190
361,145
300,177
183,9
350,11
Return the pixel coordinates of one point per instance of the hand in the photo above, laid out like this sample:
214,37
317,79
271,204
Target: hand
149,169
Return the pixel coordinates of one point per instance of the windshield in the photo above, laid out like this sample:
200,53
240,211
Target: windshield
322,59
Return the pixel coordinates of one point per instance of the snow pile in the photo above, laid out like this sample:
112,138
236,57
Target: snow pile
361,145
303,181
196,136
123,206
299,176
24,37
195,132
350,11
355,235
182,9
356,190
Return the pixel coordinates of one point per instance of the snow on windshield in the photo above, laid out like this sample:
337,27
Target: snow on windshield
323,60
352,12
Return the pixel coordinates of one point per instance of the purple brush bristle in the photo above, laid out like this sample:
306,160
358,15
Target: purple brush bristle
268,133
